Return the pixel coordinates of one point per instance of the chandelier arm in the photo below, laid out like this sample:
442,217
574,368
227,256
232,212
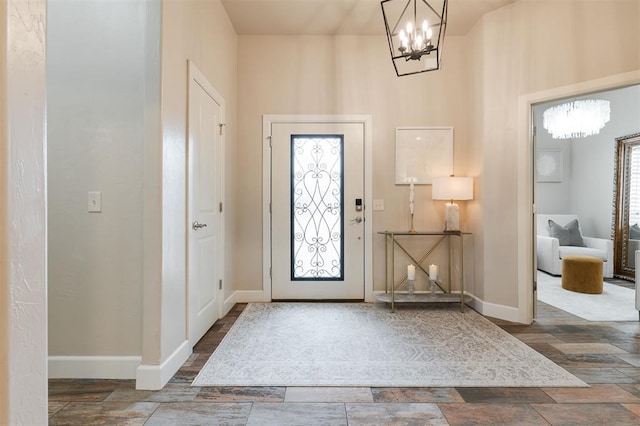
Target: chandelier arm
395,27
442,27
443,21
432,9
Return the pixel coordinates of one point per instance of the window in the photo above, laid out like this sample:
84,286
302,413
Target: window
317,214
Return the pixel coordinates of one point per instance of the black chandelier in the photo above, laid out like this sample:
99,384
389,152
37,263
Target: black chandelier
415,32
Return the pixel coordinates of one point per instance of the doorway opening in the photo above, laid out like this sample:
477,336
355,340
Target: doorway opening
576,177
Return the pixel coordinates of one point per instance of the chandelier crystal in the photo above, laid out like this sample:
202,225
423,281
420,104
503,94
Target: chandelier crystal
577,119
415,32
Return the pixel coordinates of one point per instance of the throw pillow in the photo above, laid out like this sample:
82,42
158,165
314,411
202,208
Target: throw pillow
568,235
634,232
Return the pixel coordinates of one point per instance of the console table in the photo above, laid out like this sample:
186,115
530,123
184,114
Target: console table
392,243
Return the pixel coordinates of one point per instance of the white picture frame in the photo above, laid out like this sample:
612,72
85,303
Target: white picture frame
549,165
423,153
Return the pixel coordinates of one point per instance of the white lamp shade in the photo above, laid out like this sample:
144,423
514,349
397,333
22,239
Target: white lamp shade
452,188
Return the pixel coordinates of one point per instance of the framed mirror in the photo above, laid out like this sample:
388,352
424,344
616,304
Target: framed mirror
626,230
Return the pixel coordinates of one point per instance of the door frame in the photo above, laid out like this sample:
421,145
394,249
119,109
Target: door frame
196,77
267,121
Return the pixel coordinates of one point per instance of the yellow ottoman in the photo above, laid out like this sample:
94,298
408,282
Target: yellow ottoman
582,274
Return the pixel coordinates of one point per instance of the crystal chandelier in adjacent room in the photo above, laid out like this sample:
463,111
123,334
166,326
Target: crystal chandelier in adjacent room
415,32
577,119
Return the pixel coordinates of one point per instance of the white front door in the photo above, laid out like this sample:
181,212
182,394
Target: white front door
317,222
205,250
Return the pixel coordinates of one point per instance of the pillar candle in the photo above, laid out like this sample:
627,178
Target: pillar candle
411,272
433,272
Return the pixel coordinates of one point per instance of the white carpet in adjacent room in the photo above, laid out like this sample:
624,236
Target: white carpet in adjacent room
361,344
614,304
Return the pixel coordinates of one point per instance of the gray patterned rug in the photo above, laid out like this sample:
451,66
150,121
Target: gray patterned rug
360,344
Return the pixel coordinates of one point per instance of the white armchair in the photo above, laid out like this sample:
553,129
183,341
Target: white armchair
634,246
550,252
638,282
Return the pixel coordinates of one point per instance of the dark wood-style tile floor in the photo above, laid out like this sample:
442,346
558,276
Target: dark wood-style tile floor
604,355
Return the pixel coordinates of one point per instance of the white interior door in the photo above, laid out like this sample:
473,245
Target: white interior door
317,222
205,250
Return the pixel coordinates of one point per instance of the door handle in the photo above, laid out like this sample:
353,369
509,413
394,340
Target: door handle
358,219
195,225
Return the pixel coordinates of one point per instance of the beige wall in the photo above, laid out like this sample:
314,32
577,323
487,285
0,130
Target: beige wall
532,46
525,47
95,132
342,75
4,240
199,31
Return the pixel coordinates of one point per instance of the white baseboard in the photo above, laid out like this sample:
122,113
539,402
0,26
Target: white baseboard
502,312
155,376
507,313
493,310
248,296
228,304
93,367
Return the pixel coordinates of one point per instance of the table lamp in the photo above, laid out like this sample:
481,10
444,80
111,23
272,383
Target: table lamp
452,188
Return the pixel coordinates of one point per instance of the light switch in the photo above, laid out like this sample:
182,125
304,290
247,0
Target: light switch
378,205
95,201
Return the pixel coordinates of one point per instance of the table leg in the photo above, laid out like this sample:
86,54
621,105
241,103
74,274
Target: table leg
393,268
461,273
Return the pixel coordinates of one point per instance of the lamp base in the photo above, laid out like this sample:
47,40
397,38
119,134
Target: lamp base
452,217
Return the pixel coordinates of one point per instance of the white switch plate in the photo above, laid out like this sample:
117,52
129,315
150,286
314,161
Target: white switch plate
95,201
378,205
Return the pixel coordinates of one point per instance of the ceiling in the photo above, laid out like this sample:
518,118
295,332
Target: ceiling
332,17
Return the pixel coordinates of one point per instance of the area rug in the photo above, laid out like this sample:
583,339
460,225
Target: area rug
362,344
614,304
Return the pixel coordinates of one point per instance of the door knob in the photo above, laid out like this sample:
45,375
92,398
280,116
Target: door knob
195,225
358,219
